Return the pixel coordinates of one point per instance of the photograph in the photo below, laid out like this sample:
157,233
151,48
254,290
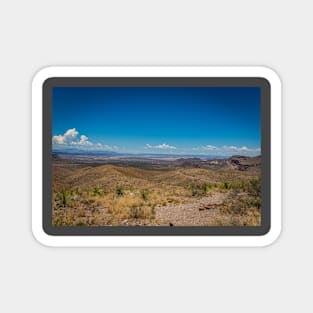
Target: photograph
156,156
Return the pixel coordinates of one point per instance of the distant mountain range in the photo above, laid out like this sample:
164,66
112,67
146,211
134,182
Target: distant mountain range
236,162
88,154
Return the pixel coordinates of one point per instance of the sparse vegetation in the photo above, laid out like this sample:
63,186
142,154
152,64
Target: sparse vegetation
63,198
96,191
226,185
206,187
119,191
144,195
133,195
255,187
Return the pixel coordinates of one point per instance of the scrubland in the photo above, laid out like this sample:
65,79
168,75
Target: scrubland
116,195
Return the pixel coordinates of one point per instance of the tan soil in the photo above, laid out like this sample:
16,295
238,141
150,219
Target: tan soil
198,212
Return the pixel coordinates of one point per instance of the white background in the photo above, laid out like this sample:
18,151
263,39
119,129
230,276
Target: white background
35,34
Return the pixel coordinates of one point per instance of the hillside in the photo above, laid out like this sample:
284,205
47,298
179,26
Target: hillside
182,194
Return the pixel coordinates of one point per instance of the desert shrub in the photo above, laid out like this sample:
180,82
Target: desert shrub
96,191
254,187
239,186
195,192
136,212
67,198
144,195
76,192
206,187
119,191
241,205
132,207
226,185
63,198
256,202
121,205
196,189
140,212
189,186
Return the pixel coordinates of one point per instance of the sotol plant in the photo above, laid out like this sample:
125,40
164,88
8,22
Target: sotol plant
63,198
144,195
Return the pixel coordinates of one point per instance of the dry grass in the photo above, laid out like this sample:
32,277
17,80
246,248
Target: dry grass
115,195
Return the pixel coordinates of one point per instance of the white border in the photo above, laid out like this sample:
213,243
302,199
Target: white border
156,241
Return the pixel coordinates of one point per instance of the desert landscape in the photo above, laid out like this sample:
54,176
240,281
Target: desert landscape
153,190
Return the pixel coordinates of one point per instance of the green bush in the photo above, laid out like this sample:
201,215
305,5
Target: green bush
257,202
206,187
226,185
119,191
76,192
254,187
144,195
199,189
63,198
97,191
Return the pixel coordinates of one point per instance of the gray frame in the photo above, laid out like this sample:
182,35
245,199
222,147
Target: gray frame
157,82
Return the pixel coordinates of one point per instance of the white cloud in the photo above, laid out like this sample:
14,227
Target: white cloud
67,138
70,139
234,148
84,140
210,147
58,140
207,147
71,134
227,150
241,149
161,146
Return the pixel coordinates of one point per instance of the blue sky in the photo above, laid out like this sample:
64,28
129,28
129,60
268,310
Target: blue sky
169,120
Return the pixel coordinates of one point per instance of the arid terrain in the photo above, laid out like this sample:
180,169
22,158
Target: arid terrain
151,191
